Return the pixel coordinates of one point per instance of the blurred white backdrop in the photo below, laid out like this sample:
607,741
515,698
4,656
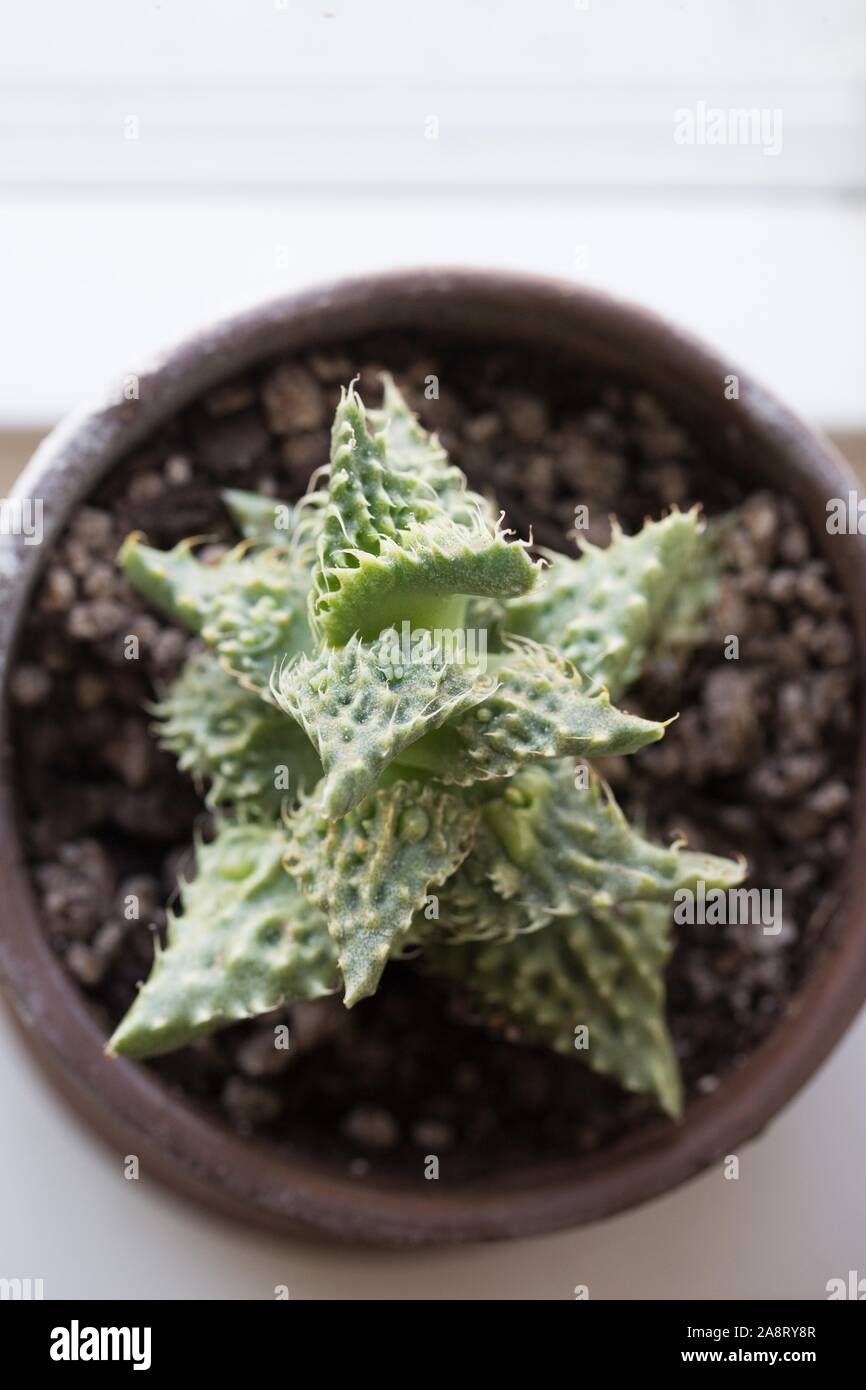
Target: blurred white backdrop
161,163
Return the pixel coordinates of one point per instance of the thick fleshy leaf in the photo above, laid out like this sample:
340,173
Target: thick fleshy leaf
547,848
372,870
261,518
229,739
250,607
539,709
390,549
272,522
247,941
259,623
176,581
469,908
572,908
686,619
606,610
361,710
566,849
411,449
590,986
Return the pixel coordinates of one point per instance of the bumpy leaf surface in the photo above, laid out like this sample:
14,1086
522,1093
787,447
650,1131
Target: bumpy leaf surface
411,450
564,848
470,908
605,610
361,711
573,910
372,870
250,607
391,549
247,753
601,970
540,708
247,940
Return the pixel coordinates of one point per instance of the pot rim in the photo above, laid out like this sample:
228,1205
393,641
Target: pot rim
137,1112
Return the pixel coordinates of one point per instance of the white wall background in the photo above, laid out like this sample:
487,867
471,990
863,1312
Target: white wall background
282,142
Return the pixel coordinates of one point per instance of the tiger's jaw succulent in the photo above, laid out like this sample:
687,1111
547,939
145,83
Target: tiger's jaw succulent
431,798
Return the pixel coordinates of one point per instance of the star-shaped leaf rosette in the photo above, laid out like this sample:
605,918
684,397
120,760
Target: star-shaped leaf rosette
393,718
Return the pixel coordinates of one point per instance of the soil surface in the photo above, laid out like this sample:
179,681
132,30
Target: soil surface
759,761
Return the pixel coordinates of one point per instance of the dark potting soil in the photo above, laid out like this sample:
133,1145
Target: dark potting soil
759,760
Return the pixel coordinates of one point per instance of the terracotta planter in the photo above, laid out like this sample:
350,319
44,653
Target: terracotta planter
134,1110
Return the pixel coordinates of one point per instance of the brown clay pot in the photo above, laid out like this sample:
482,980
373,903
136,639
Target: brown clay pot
135,1111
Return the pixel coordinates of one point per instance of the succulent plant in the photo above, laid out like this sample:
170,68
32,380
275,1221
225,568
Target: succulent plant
387,715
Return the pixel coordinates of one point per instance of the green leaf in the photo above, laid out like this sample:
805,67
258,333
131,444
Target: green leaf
233,741
250,607
712,870
259,622
607,609
470,908
261,518
372,870
361,711
412,451
391,549
247,941
573,909
539,709
567,849
601,970
174,580
686,617
493,897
